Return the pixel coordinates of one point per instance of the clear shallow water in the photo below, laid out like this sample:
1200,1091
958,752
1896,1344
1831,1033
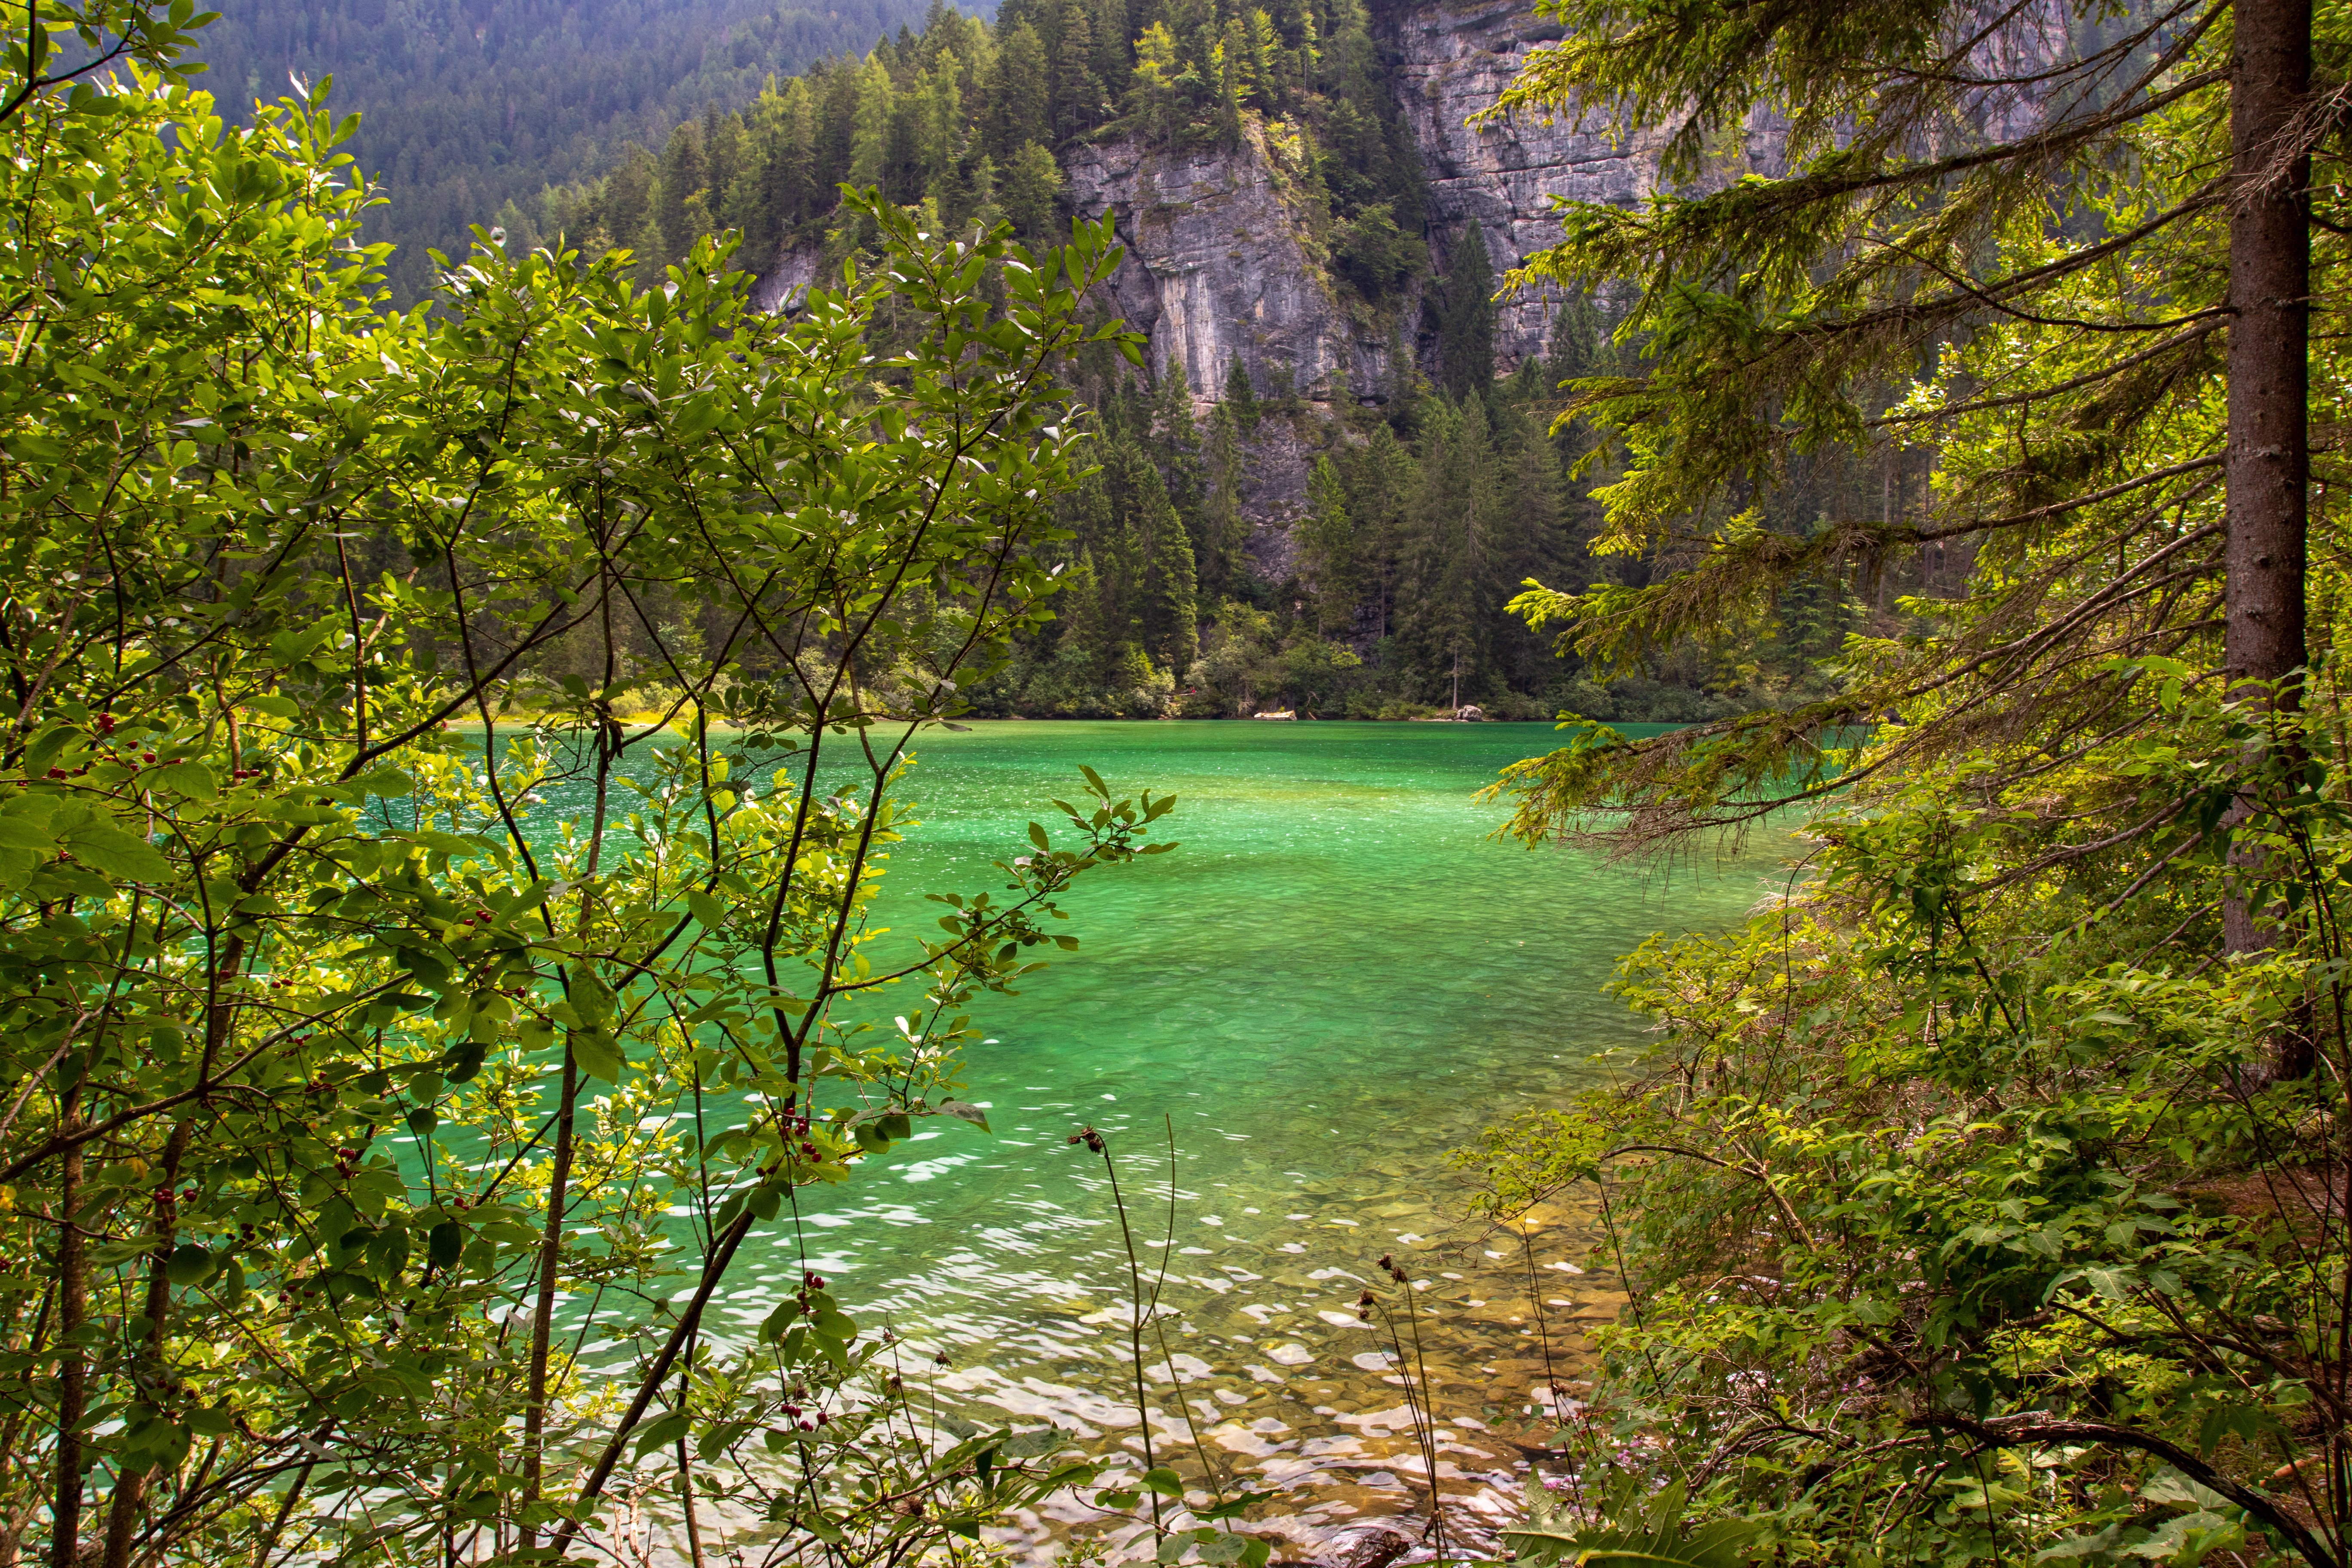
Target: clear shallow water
1339,978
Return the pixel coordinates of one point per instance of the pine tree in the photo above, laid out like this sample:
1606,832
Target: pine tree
1241,396
1165,598
1264,53
1113,57
626,204
649,251
1914,197
1019,93
1406,383
1382,481
726,152
1153,89
791,178
1224,528
1327,552
1451,597
1465,350
1078,92
1173,441
1032,194
942,122
1230,61
869,145
835,128
1531,543
1086,621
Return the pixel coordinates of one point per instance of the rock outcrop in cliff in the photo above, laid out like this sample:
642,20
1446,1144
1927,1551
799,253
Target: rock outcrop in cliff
1446,63
1220,266
1219,262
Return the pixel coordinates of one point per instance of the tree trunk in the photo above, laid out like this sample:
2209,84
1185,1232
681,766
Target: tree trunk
2270,283
2268,460
542,1316
73,1371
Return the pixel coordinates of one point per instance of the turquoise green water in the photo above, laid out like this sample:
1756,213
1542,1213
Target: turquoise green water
1338,978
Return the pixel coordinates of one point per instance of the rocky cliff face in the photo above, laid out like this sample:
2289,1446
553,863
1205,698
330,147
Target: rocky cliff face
1222,260
1219,266
1219,262
1449,61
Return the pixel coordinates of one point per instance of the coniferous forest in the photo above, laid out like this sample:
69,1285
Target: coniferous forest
471,106
1425,514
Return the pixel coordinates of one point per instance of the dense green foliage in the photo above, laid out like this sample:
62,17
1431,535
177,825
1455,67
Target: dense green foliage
1983,1200
449,758
466,108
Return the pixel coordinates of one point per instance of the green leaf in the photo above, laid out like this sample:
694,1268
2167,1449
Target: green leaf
1233,1507
192,779
1724,1544
666,1430
598,1054
188,1264
211,1421
1164,1481
119,855
964,1110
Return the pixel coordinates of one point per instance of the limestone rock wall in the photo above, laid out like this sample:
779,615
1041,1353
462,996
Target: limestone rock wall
1220,266
1449,60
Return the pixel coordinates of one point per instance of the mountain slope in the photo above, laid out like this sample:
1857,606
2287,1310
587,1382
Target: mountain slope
469,104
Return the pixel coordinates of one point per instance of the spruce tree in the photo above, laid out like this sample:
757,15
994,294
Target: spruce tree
627,201
1077,92
1241,396
1381,482
1465,344
1231,70
1174,442
869,144
1019,93
1929,240
1032,193
792,179
1451,595
1328,551
1224,527
1114,55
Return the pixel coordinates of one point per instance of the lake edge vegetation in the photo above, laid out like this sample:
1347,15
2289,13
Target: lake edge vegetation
1984,1198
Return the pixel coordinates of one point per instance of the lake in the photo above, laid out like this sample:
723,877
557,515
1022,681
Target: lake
1337,980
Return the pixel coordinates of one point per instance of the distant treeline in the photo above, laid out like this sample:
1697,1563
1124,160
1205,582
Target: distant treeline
470,105
1423,519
